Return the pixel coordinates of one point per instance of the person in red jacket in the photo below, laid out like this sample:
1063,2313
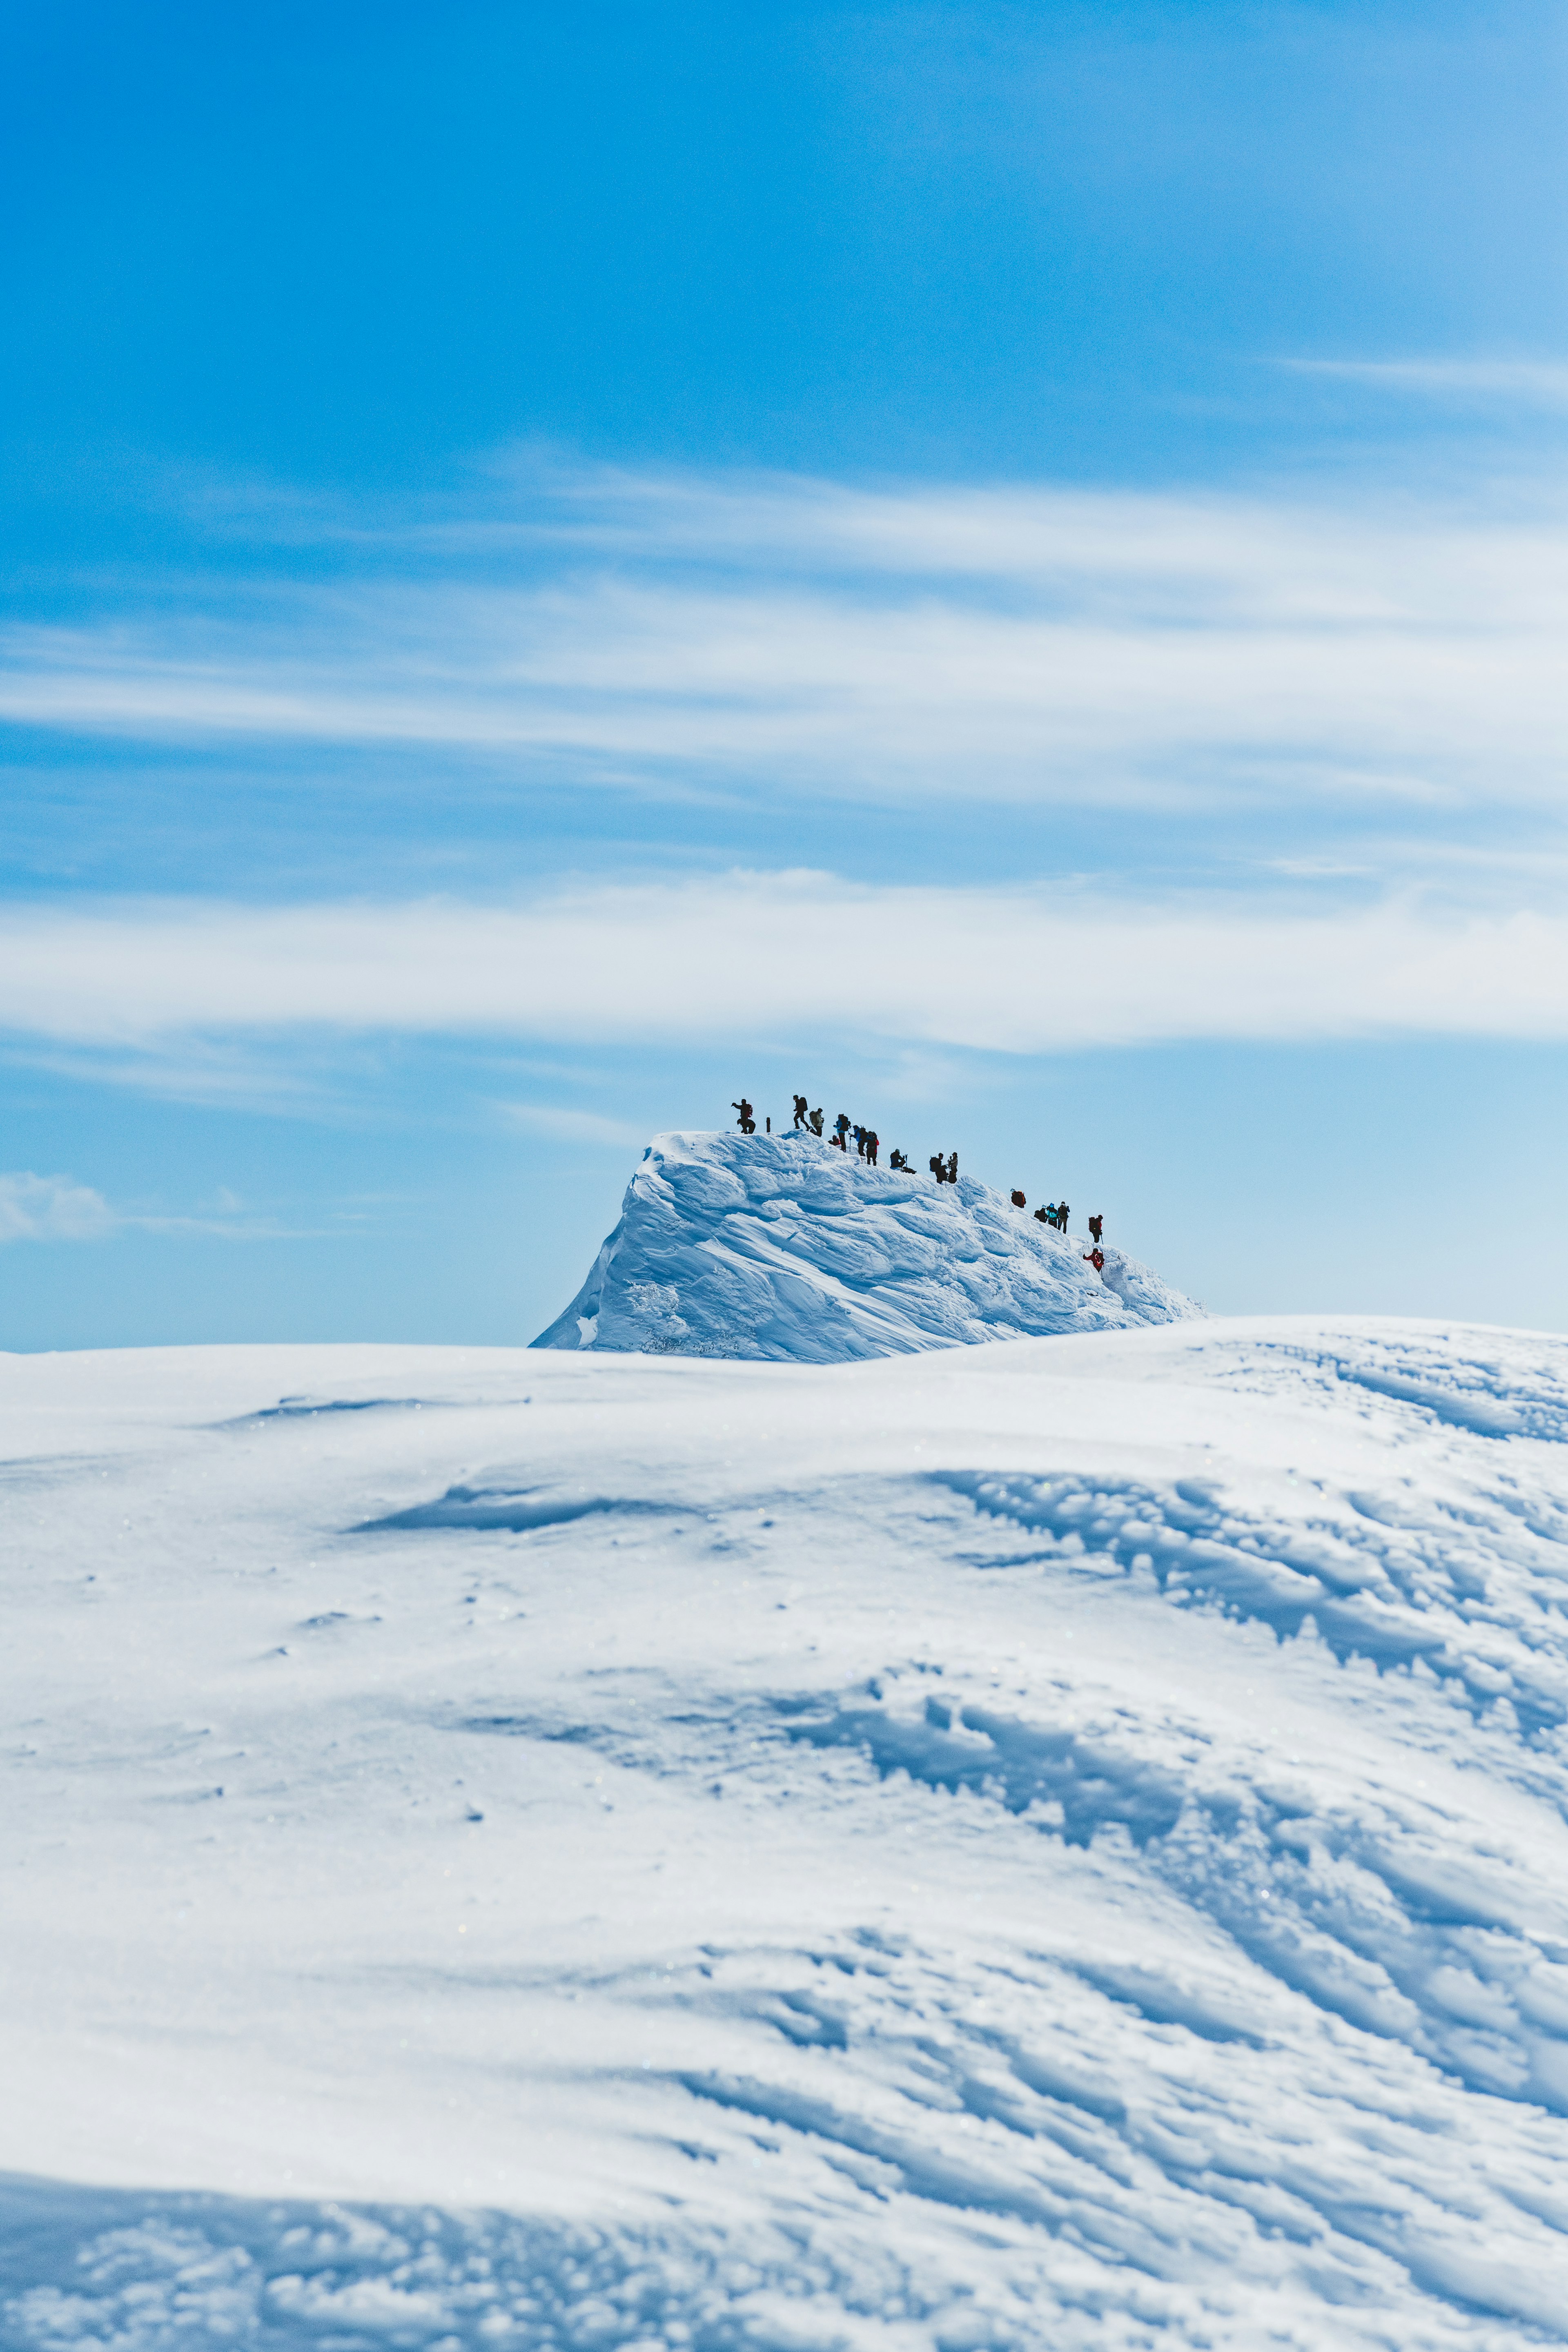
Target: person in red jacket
1096,1258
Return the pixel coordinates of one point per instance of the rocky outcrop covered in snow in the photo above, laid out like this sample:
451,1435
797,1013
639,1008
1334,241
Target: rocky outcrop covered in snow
780,1248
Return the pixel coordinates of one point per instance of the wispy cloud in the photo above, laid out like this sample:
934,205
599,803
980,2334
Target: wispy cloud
1536,384
797,637
563,1124
760,955
59,1209
51,1208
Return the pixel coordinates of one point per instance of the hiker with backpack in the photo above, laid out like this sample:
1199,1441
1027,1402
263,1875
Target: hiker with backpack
747,1119
799,1110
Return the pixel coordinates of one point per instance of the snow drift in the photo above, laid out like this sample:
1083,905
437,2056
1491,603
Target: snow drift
1054,1848
781,1249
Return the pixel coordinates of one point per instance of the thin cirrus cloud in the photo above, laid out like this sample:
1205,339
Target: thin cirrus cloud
35,1208
933,643
783,955
1534,383
560,1124
51,1208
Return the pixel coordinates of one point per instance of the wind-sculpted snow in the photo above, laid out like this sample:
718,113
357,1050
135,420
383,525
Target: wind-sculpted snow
1057,1846
780,1248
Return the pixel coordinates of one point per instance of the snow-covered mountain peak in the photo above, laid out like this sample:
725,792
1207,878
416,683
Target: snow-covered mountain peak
780,1247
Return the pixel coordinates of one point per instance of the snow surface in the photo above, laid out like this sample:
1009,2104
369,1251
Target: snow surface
1060,1846
783,1249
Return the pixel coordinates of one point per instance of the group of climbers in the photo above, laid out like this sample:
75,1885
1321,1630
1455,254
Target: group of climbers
867,1143
867,1140
1055,1214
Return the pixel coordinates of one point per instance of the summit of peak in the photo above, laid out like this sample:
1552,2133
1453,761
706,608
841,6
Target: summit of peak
781,1248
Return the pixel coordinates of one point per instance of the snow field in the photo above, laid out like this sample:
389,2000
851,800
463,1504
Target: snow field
1060,1845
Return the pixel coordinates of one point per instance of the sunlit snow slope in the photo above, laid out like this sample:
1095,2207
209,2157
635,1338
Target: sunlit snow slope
781,1248
1059,1847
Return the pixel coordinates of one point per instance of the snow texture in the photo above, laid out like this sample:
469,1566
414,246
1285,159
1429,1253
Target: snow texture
1057,1846
784,1250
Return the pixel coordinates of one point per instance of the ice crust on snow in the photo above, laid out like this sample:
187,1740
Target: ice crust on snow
1062,1845
782,1249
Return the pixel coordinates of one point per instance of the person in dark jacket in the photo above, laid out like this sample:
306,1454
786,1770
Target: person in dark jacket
747,1119
1019,1201
1045,1216
799,1110
952,1167
872,1141
841,1128
1061,1216
896,1160
858,1134
938,1168
816,1122
1096,1230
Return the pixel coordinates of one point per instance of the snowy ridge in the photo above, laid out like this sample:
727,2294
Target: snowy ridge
780,1248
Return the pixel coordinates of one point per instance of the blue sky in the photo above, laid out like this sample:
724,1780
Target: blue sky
1004,566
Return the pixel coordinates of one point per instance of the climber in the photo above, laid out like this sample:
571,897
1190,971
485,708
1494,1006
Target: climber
1061,1216
1045,1216
801,1113
896,1160
816,1118
841,1128
871,1140
747,1119
952,1167
1096,1258
858,1134
1096,1230
938,1168
1019,1201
